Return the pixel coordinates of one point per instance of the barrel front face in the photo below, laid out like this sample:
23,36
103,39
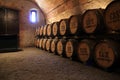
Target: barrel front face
53,46
73,24
40,43
44,43
59,48
90,21
49,30
83,52
104,55
69,49
63,27
41,31
45,30
55,29
112,16
47,44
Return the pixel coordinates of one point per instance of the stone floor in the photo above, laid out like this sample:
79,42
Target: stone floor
35,64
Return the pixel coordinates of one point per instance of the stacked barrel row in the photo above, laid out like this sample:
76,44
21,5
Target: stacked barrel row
91,37
63,28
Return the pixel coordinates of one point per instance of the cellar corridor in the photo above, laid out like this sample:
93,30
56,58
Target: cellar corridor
35,64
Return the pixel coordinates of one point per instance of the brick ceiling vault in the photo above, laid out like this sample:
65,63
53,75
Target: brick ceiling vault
55,10
48,5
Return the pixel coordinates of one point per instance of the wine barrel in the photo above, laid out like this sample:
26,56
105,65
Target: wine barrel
40,43
112,16
55,29
75,27
54,46
49,30
70,48
48,44
63,27
107,54
37,43
61,47
45,30
93,22
41,31
44,44
85,51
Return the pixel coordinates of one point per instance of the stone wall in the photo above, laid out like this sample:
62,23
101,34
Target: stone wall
27,29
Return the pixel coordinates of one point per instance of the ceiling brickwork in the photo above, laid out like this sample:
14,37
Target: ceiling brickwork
59,9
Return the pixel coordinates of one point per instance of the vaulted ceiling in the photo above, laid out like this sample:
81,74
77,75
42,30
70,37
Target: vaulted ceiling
55,10
49,5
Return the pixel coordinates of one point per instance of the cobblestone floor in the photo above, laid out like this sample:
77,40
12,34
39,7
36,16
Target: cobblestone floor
35,64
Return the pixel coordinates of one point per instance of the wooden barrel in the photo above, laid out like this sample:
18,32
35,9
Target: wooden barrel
48,44
93,22
55,29
37,43
107,54
85,51
112,16
40,43
45,30
44,43
61,47
49,30
54,46
41,31
70,48
75,27
63,27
